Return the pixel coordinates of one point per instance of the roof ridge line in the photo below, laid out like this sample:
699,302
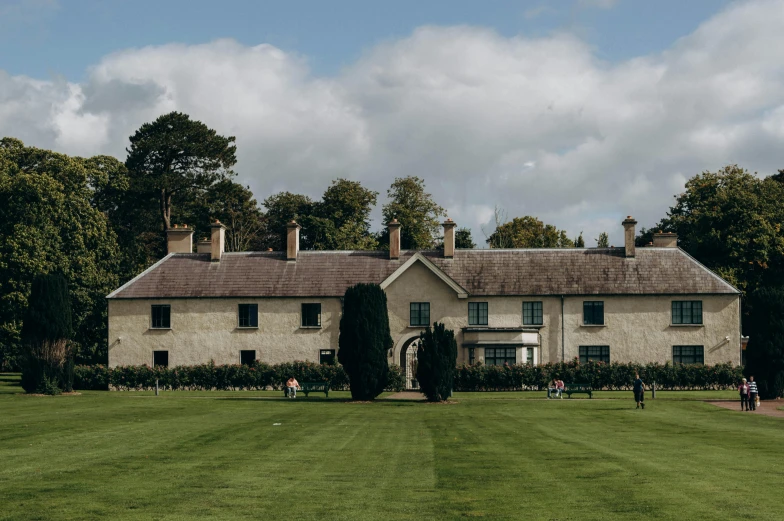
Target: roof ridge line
710,271
137,277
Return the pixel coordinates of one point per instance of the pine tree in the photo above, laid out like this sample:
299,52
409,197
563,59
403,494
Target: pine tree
436,361
46,332
364,340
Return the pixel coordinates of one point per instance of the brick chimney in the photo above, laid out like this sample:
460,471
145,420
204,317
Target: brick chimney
292,240
665,240
394,239
179,240
628,235
218,241
449,238
204,246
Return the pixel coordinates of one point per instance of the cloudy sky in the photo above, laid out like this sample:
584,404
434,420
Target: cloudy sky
579,112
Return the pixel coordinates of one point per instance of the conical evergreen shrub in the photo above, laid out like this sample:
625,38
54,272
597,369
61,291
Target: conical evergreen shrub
365,340
46,333
436,362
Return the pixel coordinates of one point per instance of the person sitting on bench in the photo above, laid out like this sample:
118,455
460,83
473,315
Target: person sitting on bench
559,388
291,385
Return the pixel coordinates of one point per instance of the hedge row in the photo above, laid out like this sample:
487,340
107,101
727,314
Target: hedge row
259,376
207,377
600,375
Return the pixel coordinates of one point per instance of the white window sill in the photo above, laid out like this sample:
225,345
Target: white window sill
160,329
310,327
411,326
687,325
247,327
593,325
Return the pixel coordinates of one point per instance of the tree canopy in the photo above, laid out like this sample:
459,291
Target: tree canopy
731,221
175,154
528,232
55,220
436,362
415,210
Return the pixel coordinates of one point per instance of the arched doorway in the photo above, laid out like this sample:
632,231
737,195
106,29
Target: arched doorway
408,361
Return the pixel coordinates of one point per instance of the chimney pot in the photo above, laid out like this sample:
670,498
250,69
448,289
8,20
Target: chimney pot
628,236
292,240
394,239
217,242
449,238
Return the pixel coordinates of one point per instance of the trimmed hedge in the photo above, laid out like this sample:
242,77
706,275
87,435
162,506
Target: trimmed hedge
613,376
208,377
261,376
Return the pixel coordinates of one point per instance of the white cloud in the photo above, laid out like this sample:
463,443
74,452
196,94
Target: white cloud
540,126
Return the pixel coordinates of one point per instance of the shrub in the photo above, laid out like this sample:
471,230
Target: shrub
208,377
436,358
364,340
613,376
46,333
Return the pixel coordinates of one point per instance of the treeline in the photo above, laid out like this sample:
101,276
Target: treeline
260,376
100,221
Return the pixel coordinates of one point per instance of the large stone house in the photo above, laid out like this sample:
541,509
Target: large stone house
506,306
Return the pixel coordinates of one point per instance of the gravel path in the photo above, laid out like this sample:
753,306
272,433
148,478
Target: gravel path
767,407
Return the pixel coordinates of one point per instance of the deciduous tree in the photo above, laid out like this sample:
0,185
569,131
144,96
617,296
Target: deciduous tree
54,220
416,211
765,351
528,232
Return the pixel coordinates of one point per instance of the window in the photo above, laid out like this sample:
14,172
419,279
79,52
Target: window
419,314
161,316
327,356
687,312
593,313
477,313
688,355
471,355
532,313
249,315
311,315
529,356
248,357
160,358
500,356
596,353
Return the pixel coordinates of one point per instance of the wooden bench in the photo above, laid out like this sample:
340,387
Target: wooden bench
307,387
580,387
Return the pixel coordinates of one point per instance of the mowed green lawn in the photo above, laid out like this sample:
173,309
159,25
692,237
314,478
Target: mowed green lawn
252,455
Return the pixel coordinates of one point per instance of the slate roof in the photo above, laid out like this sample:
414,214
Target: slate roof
594,271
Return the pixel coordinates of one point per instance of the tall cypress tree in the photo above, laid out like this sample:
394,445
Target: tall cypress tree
364,340
436,361
765,352
46,334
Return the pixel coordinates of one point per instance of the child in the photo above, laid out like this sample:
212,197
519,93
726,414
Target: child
743,389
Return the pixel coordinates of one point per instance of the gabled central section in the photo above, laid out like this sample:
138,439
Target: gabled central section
418,257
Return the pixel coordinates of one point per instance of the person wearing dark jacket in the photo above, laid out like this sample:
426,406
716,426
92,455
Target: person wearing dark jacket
639,391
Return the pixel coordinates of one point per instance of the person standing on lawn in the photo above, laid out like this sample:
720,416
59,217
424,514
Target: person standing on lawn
753,393
639,391
743,389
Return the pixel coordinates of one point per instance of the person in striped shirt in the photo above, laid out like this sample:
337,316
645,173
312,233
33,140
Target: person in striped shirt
752,394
